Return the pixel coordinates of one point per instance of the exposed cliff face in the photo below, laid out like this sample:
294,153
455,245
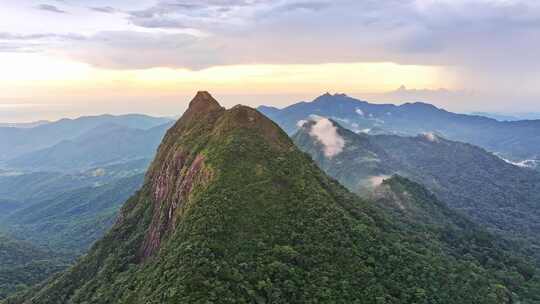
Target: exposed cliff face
171,191
178,169
180,164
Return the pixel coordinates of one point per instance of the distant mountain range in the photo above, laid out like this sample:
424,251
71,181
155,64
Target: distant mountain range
508,117
101,146
31,187
24,125
67,210
54,217
15,142
70,221
67,194
503,197
513,140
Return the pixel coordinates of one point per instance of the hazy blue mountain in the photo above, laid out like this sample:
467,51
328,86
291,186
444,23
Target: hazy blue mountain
101,146
503,197
515,140
498,116
7,206
24,125
27,188
17,141
72,206
21,190
72,220
509,117
69,210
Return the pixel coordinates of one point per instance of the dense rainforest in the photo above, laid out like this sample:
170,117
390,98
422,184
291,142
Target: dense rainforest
232,212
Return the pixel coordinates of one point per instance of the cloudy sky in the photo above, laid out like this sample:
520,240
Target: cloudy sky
74,57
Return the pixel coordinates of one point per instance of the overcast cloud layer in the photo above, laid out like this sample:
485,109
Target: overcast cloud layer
487,34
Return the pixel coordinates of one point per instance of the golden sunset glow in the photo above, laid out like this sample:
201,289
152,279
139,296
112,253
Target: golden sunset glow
28,75
89,57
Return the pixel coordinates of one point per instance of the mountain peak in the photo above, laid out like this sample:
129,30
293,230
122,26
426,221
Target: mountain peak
331,97
203,102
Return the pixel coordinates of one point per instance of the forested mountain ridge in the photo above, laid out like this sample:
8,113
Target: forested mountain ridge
418,212
61,212
18,141
492,192
24,189
72,220
232,212
516,140
101,146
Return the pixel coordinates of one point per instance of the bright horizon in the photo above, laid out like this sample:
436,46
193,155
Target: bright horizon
74,58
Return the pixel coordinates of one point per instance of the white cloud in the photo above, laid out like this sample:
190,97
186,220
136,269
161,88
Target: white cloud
343,120
139,50
301,123
364,131
401,31
527,163
315,117
377,180
231,32
359,112
326,133
430,136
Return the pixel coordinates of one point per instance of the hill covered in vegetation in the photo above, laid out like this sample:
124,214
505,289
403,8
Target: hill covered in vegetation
23,265
72,221
232,212
494,193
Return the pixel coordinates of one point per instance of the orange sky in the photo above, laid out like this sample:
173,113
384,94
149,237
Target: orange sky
79,57
32,80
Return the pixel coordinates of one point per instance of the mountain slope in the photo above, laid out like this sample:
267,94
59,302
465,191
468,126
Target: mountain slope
67,212
31,188
232,212
417,211
516,140
7,206
23,265
17,141
103,145
499,195
71,221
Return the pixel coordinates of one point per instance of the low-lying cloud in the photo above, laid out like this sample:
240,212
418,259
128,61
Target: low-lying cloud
430,136
326,133
375,181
